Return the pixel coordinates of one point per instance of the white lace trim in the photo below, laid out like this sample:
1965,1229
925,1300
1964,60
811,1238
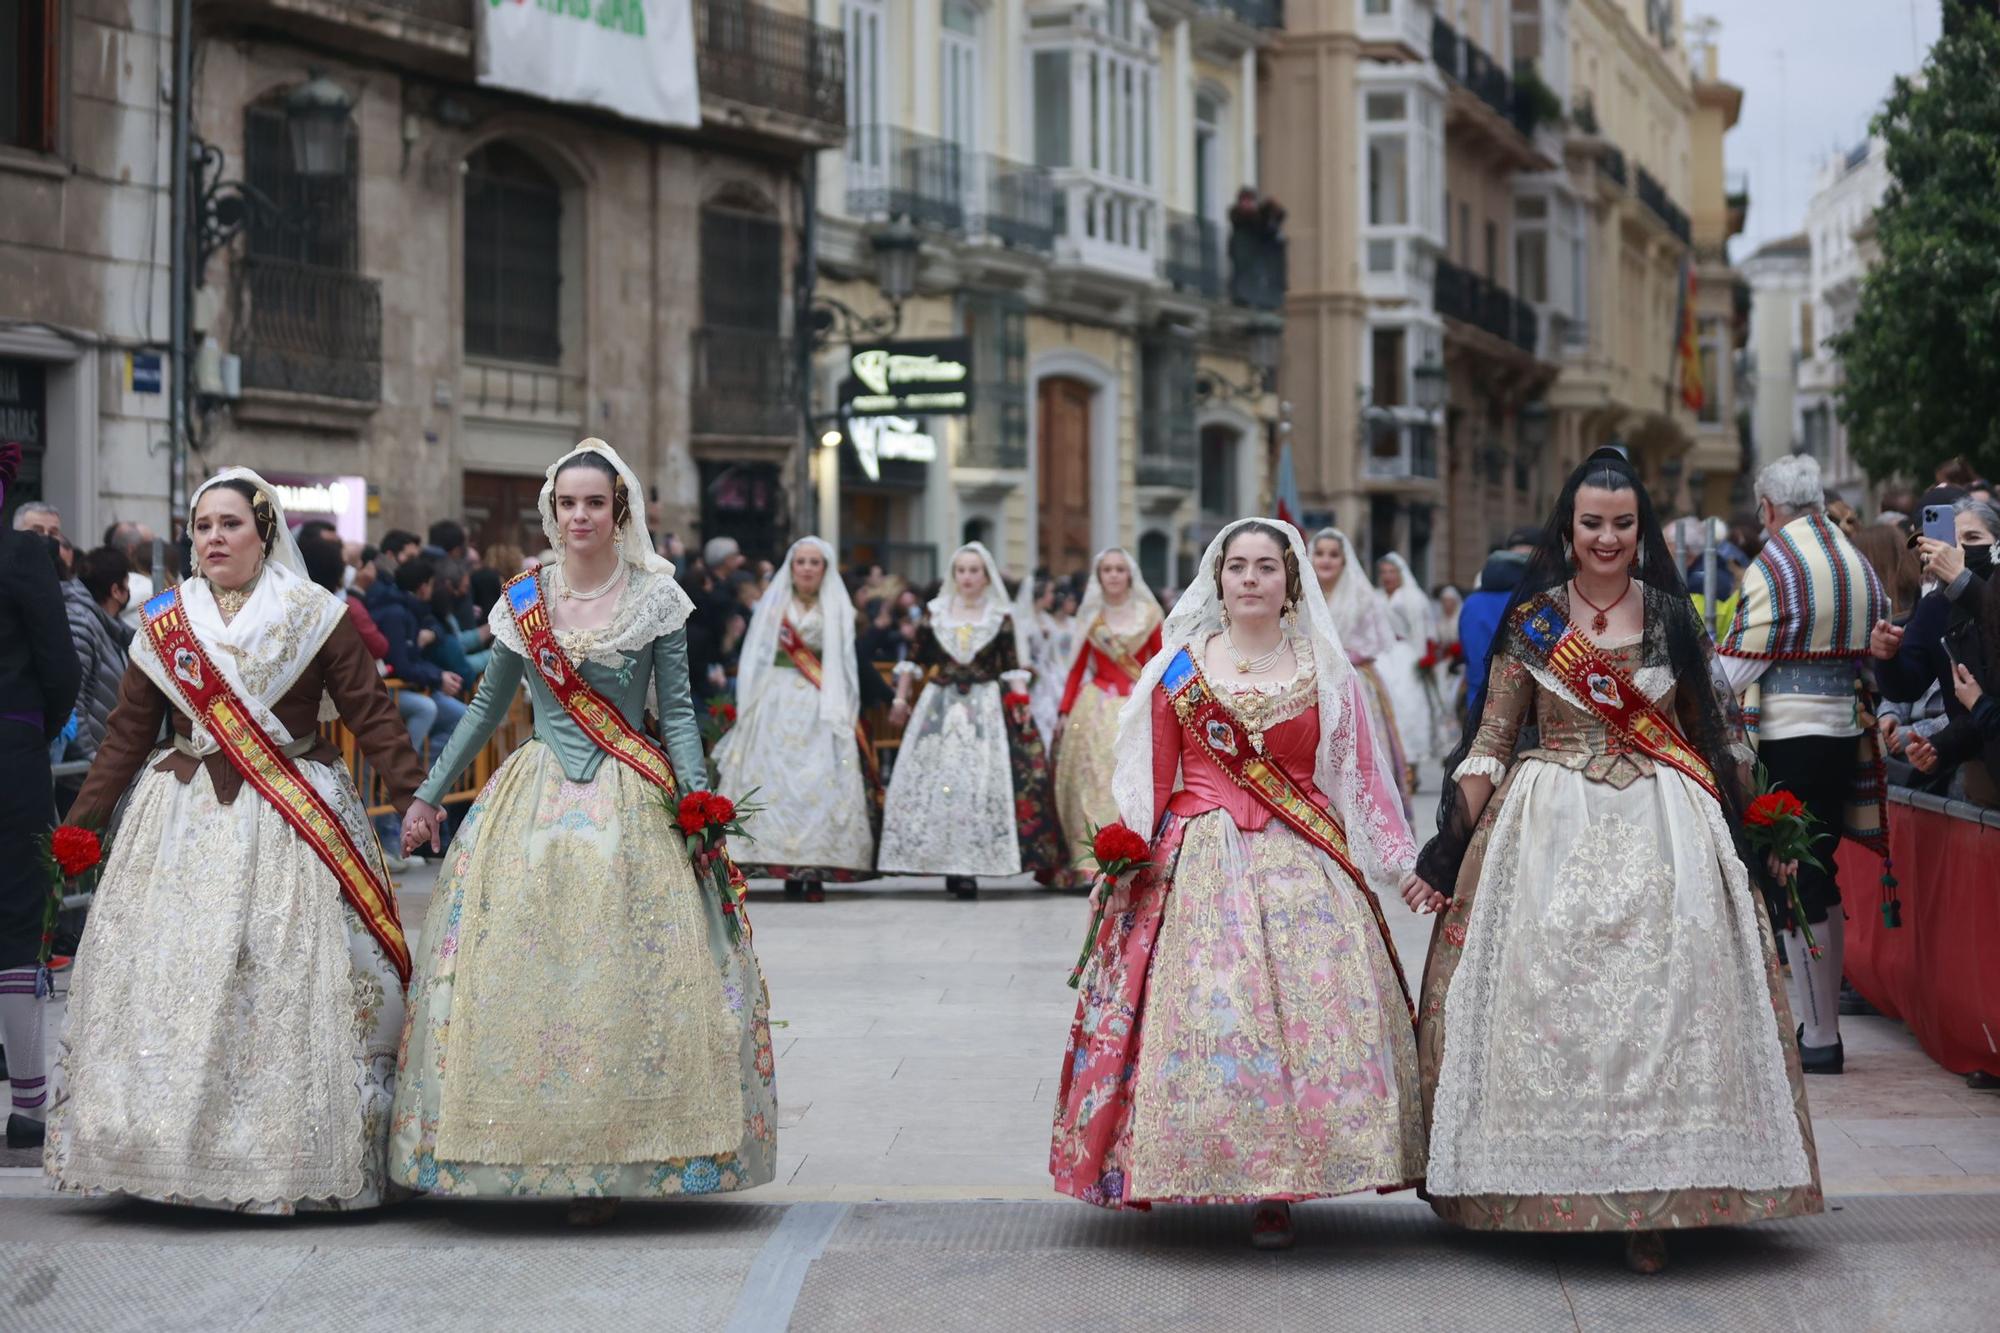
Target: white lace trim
984,629
1481,766
651,607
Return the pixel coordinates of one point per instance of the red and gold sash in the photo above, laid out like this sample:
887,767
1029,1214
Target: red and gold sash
1595,680
273,773
605,725
1216,732
807,663
1111,646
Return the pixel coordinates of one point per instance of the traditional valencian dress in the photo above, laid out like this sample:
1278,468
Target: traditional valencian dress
1412,692
969,794
1099,680
581,1023
231,1039
1605,1039
1362,619
1051,645
798,743
1243,1032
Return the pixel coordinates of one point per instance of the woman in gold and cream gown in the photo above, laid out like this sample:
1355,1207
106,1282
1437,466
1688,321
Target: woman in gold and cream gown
584,1024
232,1026
794,749
1119,631
1362,619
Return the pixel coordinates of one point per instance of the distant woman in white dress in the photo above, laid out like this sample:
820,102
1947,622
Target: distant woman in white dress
796,748
969,795
1049,631
1411,615
1362,619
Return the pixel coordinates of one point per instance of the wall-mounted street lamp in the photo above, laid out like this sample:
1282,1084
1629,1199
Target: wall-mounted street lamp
1429,386
1534,427
316,127
1263,337
895,248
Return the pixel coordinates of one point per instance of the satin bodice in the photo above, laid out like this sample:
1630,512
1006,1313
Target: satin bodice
1288,720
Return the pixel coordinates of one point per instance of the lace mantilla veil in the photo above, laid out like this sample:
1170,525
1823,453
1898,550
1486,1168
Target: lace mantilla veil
1378,836
1359,610
1093,602
663,609
996,601
839,692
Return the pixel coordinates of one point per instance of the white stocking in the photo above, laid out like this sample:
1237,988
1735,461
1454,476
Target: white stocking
1815,989
21,1032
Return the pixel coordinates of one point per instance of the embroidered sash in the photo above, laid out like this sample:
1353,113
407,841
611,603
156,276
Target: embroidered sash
807,662
1216,732
603,724
1594,679
265,766
1111,647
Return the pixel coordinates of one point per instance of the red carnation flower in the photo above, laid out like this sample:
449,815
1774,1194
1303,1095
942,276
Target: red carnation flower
693,816
1771,807
720,809
1016,701
1115,842
75,850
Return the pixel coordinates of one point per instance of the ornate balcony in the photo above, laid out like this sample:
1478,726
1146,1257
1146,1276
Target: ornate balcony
303,329
1109,223
1654,196
1193,261
773,73
897,173
744,383
1465,296
1401,445
1015,203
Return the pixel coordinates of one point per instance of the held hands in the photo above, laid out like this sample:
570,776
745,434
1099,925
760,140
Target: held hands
1884,640
1965,685
420,826
1420,896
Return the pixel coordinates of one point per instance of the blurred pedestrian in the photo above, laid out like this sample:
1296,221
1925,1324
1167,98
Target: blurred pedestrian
134,541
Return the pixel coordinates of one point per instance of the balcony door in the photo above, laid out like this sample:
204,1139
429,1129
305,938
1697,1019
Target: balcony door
958,88
1063,473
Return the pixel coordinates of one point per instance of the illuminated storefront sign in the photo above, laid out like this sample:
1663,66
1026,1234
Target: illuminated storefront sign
909,379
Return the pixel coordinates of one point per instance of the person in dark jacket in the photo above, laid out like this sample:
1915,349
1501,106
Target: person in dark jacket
1944,632
402,612
94,601
1479,619
39,679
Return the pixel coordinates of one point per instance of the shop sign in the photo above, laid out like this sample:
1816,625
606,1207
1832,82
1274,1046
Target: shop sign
341,501
908,379
23,410
892,438
632,57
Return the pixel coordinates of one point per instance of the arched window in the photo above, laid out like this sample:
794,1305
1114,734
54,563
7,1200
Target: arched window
513,256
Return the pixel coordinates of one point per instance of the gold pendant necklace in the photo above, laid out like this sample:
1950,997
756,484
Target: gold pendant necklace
229,601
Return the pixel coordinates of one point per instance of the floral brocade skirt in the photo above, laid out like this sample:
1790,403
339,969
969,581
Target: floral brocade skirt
580,1024
1241,1033
1085,762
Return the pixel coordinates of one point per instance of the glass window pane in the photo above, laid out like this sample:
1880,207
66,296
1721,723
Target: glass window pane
1388,181
1096,115
1385,106
960,16
1381,256
1052,121
1531,265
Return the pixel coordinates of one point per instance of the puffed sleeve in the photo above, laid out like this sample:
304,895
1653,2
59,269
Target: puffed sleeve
679,731
129,735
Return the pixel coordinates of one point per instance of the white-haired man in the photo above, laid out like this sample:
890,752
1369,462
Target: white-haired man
1798,653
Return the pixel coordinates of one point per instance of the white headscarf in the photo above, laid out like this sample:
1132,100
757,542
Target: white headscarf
1093,603
1359,612
839,691
1377,834
995,599
635,544
1410,611
263,649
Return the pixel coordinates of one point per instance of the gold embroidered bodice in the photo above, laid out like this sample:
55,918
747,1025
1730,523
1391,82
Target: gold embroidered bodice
1567,734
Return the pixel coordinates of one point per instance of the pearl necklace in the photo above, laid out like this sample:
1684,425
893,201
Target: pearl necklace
574,594
1249,666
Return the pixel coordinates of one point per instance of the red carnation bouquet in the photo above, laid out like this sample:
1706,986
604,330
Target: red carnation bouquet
721,717
70,854
1432,655
1117,852
1779,825
708,820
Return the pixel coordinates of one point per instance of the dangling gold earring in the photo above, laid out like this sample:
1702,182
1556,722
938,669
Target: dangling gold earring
1225,620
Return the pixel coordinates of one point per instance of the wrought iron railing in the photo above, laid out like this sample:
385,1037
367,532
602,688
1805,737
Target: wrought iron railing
1468,63
1464,295
306,329
1611,161
897,173
1654,196
744,382
1017,204
1257,13
747,52
1193,262
1257,268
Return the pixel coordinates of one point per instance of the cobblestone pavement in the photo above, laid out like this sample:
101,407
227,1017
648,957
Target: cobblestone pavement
917,1063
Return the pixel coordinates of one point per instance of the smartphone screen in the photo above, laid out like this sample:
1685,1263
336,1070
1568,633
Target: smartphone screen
1939,525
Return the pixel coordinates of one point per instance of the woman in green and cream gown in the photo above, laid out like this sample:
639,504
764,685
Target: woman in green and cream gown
581,1023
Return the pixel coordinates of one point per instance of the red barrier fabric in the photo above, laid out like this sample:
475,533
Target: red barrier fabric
1940,971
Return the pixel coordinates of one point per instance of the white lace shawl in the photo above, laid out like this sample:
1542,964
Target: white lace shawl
650,607
998,608
839,691
1093,604
1359,611
1376,831
1410,611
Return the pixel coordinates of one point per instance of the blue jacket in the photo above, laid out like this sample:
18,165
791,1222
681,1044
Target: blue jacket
399,615
1479,620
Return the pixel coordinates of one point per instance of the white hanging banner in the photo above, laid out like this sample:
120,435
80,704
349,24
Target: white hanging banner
634,57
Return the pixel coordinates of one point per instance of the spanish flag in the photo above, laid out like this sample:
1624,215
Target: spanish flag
1687,343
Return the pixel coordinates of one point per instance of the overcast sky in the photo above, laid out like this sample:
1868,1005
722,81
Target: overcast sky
1812,73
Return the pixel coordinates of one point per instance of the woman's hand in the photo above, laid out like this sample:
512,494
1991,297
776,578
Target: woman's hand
1784,872
1921,754
1941,561
1420,896
1884,640
899,712
420,825
1965,685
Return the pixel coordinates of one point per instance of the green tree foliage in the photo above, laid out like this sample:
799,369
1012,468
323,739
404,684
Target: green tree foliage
1922,358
